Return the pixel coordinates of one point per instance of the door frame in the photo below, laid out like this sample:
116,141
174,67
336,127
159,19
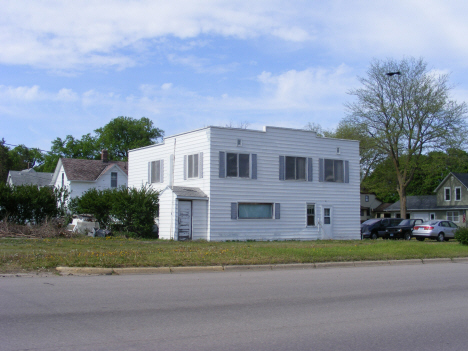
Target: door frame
191,219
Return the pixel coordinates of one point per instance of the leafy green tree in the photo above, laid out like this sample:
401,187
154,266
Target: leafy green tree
5,161
125,133
22,157
84,148
408,113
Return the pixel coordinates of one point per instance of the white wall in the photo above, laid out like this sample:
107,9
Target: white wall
293,196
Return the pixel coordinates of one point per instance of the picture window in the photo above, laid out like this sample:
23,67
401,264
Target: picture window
255,210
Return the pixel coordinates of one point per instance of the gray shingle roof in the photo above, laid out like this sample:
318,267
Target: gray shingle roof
89,170
462,177
30,177
184,191
421,202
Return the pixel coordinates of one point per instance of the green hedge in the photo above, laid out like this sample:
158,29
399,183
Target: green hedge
461,235
128,209
28,203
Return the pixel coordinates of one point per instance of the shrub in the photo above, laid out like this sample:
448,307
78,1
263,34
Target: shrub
130,210
461,235
29,203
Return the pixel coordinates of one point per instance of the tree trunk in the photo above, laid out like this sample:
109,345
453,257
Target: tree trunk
402,192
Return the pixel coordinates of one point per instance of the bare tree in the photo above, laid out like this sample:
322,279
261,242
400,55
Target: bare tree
407,111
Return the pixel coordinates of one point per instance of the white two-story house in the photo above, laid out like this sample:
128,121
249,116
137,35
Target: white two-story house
221,184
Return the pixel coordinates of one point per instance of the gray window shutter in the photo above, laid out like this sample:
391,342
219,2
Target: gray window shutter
162,172
281,168
254,166
233,210
149,172
277,211
185,167
320,169
200,165
309,170
222,165
346,171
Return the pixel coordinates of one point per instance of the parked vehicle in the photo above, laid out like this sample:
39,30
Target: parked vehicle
438,230
375,227
403,230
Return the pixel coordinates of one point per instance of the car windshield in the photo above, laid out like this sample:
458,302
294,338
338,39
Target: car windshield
405,222
371,221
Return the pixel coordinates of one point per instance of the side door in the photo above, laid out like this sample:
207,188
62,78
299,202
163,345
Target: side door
185,221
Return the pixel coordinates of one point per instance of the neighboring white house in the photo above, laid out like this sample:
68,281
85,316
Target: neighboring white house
220,184
29,177
79,175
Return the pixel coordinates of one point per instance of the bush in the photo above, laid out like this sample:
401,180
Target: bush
461,235
28,203
130,210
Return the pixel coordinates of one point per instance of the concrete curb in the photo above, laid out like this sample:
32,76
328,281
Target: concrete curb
241,268
436,260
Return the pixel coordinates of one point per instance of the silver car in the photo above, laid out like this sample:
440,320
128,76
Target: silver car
439,230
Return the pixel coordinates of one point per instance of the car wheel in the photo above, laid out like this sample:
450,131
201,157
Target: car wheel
440,237
420,239
374,236
407,236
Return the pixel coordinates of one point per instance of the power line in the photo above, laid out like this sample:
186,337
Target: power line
26,147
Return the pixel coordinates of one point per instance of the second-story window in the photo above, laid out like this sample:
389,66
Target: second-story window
447,194
295,168
156,171
334,171
192,166
457,194
237,165
113,179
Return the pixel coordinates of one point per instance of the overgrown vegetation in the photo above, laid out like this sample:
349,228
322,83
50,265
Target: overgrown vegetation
128,209
18,255
461,235
28,203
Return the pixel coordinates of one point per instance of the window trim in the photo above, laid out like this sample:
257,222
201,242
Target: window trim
272,204
249,169
314,215
455,191
346,172
159,179
449,193
112,180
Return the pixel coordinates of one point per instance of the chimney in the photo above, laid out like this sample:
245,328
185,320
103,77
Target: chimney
104,156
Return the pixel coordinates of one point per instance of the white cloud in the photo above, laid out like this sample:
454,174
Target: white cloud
310,88
56,34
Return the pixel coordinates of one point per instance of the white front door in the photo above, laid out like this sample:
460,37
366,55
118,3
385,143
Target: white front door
185,220
327,220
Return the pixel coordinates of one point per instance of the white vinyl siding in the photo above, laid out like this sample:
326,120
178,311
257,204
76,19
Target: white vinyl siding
262,186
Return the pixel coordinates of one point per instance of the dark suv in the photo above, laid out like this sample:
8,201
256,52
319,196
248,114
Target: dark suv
403,230
375,227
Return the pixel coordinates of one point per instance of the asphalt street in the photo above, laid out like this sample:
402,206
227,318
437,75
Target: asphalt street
401,307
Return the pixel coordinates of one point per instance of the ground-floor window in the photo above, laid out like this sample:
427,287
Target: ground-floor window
452,216
255,210
432,216
326,216
310,215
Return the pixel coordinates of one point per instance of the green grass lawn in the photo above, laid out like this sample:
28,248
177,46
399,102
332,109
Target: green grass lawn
26,255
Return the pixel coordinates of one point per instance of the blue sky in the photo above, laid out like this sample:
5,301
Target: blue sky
69,67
